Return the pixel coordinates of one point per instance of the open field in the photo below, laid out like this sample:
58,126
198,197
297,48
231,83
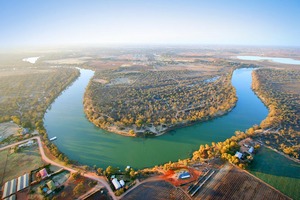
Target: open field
233,183
7,129
23,161
278,171
156,190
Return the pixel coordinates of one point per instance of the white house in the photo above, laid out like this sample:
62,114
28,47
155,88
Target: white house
116,183
238,155
251,150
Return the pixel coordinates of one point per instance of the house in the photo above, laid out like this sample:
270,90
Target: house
43,173
122,183
51,185
251,150
25,131
27,144
116,183
238,155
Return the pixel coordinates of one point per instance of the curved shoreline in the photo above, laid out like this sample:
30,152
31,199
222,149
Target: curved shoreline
81,140
145,130
114,129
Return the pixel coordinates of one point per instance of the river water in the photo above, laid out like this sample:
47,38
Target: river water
80,140
289,61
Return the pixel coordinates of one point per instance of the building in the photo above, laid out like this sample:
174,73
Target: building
9,188
251,150
23,182
238,155
43,173
25,131
116,183
27,144
51,185
184,175
122,183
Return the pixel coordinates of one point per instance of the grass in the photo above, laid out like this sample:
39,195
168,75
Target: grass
20,163
278,171
3,158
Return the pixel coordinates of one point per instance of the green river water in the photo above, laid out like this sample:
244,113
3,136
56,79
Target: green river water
82,141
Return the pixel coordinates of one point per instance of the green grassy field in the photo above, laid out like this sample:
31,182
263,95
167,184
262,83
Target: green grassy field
278,171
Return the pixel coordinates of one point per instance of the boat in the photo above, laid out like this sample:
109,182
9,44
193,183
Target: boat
54,138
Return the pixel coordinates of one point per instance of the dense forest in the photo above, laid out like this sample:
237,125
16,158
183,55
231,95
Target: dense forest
26,94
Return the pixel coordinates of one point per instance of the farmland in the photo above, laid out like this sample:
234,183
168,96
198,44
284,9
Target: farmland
156,190
278,171
233,183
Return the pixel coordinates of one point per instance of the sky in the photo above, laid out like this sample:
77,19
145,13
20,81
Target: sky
30,23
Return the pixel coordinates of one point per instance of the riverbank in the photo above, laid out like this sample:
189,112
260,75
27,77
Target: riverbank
80,140
155,131
220,98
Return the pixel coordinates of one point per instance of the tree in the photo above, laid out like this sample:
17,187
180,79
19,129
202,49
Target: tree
75,175
111,170
78,189
132,173
131,132
16,119
63,194
99,171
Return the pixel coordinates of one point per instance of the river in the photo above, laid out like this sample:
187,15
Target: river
82,141
288,61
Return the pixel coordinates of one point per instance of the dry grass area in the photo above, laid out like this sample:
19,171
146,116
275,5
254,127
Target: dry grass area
233,183
69,61
102,81
16,164
156,190
70,184
107,64
7,129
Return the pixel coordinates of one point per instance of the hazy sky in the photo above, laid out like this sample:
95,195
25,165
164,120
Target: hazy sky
57,22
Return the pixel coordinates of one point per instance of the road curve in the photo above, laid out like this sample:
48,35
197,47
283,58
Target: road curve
46,159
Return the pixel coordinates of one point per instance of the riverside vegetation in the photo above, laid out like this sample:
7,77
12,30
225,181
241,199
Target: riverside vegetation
26,94
137,101
279,90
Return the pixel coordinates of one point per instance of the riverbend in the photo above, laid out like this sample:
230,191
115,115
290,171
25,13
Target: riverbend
80,140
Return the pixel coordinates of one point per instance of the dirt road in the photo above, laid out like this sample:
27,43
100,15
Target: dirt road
90,175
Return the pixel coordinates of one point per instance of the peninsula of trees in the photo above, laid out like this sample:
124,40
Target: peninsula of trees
138,100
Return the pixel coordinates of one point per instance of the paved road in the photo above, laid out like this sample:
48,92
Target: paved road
90,175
